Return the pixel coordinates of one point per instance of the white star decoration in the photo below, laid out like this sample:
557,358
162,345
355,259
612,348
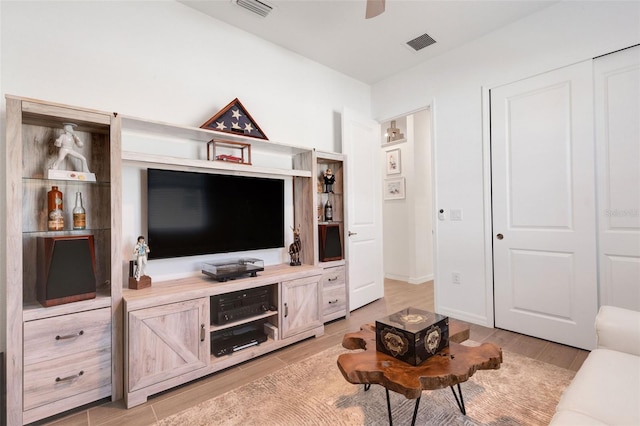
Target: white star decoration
236,113
220,125
248,127
235,125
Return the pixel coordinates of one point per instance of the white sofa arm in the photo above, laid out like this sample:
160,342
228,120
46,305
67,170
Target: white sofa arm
618,329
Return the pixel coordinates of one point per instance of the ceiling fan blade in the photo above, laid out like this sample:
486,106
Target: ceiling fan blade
374,8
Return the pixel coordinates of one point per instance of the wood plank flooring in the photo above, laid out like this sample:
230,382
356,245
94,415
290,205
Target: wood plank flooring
398,295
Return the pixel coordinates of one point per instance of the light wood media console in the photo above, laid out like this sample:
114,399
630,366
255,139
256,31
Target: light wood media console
168,327
62,357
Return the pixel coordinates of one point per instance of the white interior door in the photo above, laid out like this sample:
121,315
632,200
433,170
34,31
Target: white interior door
542,147
617,106
361,145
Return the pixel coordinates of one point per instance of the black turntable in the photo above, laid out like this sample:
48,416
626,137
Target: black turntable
231,269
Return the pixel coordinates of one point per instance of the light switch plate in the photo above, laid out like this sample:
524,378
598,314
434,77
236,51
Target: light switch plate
456,214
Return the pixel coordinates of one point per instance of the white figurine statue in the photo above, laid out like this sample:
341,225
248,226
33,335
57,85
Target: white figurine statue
140,251
67,142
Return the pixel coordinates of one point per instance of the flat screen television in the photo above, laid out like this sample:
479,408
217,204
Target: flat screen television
192,213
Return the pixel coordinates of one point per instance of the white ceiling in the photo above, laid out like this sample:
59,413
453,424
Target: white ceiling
335,32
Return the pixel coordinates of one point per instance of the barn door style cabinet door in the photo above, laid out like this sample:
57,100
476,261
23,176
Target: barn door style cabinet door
300,306
164,342
69,353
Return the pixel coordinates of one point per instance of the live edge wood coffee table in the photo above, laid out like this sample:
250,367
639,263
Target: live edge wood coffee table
448,368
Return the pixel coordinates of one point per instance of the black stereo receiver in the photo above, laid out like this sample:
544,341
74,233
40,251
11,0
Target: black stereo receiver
226,308
228,341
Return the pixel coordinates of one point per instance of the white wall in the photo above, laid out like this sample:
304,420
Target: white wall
560,35
163,61
408,241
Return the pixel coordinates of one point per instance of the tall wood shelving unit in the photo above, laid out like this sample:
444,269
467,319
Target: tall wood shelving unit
310,198
66,355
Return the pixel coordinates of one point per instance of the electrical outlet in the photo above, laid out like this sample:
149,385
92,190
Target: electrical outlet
456,278
456,214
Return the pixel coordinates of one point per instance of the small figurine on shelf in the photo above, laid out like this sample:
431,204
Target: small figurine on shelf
139,279
66,142
295,248
140,251
394,133
329,180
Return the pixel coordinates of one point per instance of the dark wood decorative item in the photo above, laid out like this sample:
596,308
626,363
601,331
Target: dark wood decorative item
66,269
329,242
143,282
412,335
295,248
235,119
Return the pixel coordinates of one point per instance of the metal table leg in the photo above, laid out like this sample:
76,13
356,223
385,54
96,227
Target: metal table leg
460,401
415,410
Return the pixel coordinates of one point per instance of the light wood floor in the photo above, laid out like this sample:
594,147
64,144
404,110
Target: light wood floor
398,295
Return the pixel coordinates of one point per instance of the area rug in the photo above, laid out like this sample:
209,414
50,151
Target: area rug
313,392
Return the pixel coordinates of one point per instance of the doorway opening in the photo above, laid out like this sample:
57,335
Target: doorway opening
408,197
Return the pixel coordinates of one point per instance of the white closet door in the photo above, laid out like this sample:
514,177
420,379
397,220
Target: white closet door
542,148
617,108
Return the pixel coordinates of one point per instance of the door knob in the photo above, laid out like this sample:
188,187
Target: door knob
499,236
352,233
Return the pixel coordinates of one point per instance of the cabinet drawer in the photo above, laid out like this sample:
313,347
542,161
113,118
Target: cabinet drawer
333,277
66,377
65,335
334,300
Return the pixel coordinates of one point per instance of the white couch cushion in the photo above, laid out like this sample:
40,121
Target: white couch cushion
572,418
606,388
618,329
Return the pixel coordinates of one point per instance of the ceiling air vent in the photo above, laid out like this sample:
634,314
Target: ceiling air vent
255,6
421,42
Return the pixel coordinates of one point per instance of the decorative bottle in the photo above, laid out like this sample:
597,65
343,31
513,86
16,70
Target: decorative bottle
328,211
79,215
54,210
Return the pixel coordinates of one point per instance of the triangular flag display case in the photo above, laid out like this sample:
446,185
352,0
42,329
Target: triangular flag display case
235,119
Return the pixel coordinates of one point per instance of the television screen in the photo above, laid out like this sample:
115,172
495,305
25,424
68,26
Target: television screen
192,213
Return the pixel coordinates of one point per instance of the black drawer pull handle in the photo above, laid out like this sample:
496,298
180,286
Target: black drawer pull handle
69,378
202,332
333,279
331,302
70,336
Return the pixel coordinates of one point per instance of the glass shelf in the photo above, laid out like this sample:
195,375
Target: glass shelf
47,233
44,181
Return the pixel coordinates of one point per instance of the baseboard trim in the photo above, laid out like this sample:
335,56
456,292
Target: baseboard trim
420,280
464,316
408,279
3,390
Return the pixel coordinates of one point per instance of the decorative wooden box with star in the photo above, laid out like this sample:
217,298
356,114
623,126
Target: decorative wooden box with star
235,119
234,152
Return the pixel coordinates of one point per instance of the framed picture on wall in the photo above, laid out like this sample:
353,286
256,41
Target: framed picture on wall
394,189
393,162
